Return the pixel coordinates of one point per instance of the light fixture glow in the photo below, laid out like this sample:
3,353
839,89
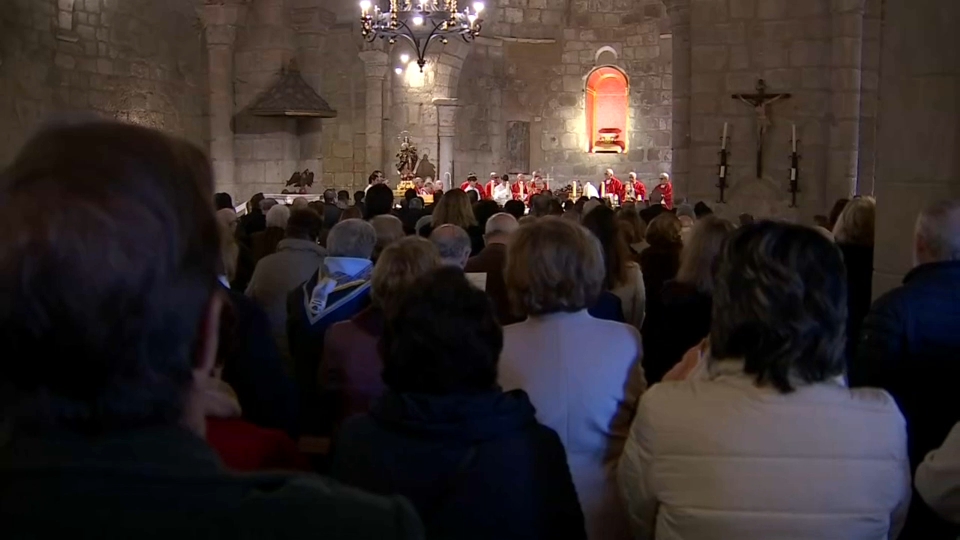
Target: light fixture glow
418,20
405,58
472,18
478,7
398,70
365,6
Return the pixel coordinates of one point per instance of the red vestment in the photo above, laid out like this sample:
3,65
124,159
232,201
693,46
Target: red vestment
614,186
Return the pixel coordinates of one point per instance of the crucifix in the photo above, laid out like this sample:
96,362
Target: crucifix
759,102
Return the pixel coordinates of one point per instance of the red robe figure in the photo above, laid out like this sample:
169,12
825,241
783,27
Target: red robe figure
613,186
472,184
520,189
491,183
639,189
663,192
538,185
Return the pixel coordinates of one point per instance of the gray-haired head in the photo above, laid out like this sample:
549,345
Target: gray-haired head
278,215
267,204
453,243
352,238
499,227
686,210
937,236
389,229
300,202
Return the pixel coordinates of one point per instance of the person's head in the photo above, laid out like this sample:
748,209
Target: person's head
473,195
379,201
664,231
454,209
540,205
229,250
553,265
616,255
417,181
352,212
415,203
278,216
358,196
472,179
499,228
376,177
304,224
515,208
686,211
453,243
223,200
267,204
521,178
505,179
780,304
343,196
429,187
836,210
608,174
664,178
701,209
389,229
634,229
856,223
300,203
329,196
494,177
700,252
444,338
254,203
353,238
399,266
569,206
937,233
409,194
632,176
111,305
483,210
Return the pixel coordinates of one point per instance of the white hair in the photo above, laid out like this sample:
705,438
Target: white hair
352,238
938,229
453,243
500,223
278,216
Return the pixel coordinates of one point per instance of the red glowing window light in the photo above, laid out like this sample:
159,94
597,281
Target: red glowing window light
607,101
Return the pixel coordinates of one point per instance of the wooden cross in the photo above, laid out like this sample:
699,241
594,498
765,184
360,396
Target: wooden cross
759,102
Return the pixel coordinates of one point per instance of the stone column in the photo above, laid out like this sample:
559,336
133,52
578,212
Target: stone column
311,24
845,68
446,130
375,65
220,23
679,12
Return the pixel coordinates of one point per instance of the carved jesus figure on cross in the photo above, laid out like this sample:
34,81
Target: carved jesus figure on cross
759,102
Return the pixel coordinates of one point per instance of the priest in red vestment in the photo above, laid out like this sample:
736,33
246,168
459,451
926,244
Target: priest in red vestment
663,193
639,190
472,184
492,183
613,186
520,189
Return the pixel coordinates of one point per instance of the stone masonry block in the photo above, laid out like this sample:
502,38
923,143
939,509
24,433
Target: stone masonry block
743,9
773,9
710,57
808,53
513,15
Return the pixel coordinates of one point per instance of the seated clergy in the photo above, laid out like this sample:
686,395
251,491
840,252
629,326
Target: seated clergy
109,318
351,365
583,374
471,458
767,441
340,290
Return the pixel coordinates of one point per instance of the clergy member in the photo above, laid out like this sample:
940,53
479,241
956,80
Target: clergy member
472,185
539,185
612,186
490,185
639,190
502,191
520,189
663,193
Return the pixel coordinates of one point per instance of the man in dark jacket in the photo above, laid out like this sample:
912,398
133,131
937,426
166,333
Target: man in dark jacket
331,212
910,346
109,315
492,261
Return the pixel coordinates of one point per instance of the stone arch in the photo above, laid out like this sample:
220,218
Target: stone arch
607,108
604,54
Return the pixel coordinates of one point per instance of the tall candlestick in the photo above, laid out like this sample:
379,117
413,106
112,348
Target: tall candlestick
794,137
574,190
724,139
603,188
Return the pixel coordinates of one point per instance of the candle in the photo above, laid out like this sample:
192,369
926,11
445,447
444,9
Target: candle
574,190
724,139
603,189
521,182
794,138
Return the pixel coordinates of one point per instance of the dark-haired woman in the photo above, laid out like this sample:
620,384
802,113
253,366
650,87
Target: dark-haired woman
767,441
472,459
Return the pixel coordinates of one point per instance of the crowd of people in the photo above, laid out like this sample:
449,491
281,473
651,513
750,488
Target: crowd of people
477,367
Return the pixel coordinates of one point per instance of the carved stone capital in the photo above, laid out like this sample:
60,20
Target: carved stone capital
374,63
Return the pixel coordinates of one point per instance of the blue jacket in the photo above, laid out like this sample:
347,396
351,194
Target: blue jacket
910,346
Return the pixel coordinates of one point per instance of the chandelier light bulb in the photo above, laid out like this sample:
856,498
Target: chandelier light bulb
404,58
472,18
478,7
398,71
418,20
365,6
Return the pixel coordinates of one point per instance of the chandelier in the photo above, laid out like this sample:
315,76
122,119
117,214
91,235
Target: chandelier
420,22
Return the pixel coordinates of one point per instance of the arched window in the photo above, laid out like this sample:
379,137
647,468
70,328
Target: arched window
607,100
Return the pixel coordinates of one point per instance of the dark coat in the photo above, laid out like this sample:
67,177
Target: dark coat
859,263
250,224
255,370
609,307
331,215
167,483
475,466
351,365
265,242
682,322
910,346
492,261
659,265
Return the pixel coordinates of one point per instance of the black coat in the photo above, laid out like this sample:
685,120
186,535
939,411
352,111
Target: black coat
910,346
682,321
475,466
162,483
254,369
859,263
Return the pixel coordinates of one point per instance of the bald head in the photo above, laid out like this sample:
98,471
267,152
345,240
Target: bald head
937,235
453,243
499,227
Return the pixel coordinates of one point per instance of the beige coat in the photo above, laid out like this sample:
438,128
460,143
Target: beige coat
633,297
584,377
718,458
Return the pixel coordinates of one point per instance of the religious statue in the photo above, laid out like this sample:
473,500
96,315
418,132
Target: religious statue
759,102
407,158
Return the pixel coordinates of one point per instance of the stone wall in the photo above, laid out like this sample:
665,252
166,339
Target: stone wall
140,61
344,87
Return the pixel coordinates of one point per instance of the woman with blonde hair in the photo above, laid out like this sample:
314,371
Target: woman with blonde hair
686,300
854,234
623,278
555,271
351,364
454,208
634,229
